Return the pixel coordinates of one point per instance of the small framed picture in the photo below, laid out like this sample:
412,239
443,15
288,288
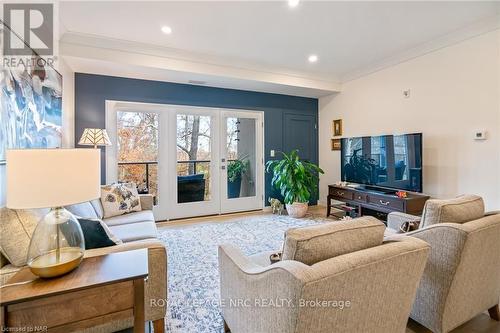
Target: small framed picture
337,127
336,144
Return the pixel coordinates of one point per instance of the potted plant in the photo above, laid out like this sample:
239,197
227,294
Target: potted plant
296,179
235,170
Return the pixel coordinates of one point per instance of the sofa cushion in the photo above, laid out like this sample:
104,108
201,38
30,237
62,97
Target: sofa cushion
313,244
462,209
142,216
17,226
135,231
84,210
96,203
119,199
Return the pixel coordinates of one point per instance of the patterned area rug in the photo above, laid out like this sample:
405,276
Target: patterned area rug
193,276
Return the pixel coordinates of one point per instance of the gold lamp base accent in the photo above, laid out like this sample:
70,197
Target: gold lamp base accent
56,262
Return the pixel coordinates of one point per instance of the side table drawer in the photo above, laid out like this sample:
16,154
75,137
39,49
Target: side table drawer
79,306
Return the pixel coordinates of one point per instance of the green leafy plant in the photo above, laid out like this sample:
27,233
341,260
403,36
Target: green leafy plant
296,179
236,168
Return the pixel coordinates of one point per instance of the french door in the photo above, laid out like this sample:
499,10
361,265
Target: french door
241,160
194,160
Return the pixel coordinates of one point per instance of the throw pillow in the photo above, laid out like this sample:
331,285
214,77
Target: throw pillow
97,234
119,199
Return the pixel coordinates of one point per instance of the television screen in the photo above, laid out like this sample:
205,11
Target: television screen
393,161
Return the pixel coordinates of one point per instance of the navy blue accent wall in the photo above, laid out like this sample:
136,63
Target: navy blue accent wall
91,92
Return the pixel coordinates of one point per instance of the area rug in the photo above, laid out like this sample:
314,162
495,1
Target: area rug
193,276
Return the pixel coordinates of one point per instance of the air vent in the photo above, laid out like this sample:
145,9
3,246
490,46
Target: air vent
197,82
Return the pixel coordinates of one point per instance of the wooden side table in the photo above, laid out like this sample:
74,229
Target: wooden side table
102,289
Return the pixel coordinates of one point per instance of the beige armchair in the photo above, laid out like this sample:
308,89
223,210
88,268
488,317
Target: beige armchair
462,276
365,285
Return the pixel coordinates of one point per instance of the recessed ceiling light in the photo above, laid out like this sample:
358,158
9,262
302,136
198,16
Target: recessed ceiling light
312,58
166,29
293,3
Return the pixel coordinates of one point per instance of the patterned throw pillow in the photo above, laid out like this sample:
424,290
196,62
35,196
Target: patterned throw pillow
119,199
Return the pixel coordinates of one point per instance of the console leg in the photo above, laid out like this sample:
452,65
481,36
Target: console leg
328,207
494,312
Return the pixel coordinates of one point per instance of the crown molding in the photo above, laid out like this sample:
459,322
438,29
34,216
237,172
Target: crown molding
76,39
479,28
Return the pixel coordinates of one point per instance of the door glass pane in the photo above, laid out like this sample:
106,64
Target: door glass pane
137,134
194,144
240,153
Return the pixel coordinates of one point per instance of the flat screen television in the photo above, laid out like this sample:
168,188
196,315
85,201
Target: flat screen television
390,161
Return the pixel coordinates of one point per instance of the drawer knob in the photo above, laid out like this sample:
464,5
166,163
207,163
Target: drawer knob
385,203
340,193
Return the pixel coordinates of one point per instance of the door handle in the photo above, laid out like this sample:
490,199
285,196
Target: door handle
223,167
223,160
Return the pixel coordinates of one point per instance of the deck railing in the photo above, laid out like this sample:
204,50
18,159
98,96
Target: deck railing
147,165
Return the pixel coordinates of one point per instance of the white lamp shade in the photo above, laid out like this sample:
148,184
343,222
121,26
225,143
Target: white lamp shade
42,178
95,137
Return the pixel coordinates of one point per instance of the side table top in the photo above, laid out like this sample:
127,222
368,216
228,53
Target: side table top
92,272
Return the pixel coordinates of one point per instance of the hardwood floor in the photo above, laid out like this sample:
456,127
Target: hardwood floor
479,324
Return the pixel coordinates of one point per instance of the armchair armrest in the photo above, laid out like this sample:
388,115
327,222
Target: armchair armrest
147,201
447,241
245,285
396,219
246,264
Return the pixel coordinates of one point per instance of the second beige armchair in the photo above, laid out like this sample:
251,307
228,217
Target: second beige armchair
462,276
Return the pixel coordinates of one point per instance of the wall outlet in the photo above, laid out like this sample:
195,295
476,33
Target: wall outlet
406,93
272,153
480,135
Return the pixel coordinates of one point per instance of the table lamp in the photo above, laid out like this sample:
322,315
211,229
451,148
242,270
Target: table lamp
94,137
53,178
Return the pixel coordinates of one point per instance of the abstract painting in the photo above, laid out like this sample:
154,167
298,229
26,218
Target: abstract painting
30,102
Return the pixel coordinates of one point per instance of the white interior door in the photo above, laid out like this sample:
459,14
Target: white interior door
242,161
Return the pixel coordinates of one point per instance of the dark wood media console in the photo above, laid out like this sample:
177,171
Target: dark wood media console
375,202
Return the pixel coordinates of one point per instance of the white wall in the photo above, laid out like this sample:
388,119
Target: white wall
2,185
454,91
68,104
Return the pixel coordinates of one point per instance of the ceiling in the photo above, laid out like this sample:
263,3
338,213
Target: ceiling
350,38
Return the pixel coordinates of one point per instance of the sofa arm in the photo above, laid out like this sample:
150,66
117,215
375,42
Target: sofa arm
396,219
147,201
155,294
